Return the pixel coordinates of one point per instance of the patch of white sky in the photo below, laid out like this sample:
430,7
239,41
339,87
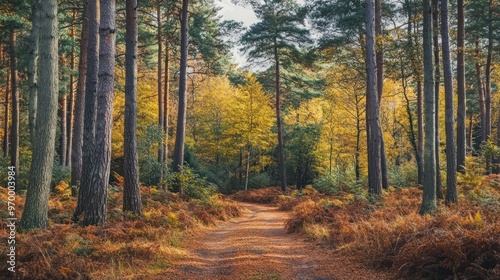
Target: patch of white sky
244,14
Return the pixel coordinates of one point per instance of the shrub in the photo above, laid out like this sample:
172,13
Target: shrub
259,180
193,186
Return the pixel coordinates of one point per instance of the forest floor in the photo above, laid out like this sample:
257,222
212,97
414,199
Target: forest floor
256,246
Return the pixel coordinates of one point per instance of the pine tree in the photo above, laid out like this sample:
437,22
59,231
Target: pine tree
277,37
35,212
131,191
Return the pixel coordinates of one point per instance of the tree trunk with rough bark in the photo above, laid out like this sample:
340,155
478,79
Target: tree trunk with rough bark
131,191
35,214
14,130
89,122
461,93
76,153
429,186
379,55
372,106
32,68
437,84
178,159
451,160
96,208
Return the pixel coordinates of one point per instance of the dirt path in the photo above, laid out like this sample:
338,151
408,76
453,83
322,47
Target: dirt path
256,246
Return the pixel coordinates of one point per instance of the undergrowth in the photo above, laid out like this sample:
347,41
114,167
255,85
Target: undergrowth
457,242
125,247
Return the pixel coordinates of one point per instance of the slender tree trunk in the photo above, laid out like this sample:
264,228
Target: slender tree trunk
89,122
372,106
35,214
76,154
420,128
181,114
96,210
379,56
32,67
437,84
487,72
71,101
482,101
166,91
160,83
451,160
429,194
461,113
63,129
281,144
14,131
131,191
469,136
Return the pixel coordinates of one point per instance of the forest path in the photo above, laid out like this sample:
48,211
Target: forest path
256,246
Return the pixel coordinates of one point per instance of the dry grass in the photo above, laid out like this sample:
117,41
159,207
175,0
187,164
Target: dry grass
461,241
123,248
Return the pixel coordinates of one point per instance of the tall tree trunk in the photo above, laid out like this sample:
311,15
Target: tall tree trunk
32,67
437,84
14,131
281,144
166,91
71,101
469,136
372,106
35,214
451,160
379,57
487,72
461,113
429,194
420,129
420,121
62,138
89,122
76,154
160,82
487,88
181,113
96,210
131,191
482,101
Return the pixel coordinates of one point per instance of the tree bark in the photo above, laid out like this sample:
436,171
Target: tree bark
160,82
63,129
374,132
379,57
461,93
281,145
71,101
14,131
35,214
451,160
32,68
437,84
96,210
181,116
89,122
76,154
131,191
429,186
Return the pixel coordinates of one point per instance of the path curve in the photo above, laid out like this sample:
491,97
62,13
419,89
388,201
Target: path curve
256,246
